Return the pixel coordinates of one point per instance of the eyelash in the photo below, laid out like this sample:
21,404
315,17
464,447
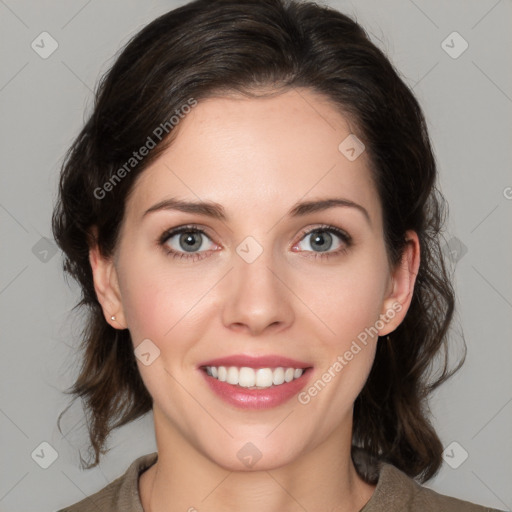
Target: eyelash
192,228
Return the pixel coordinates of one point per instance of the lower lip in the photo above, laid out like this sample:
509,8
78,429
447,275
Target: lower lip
267,398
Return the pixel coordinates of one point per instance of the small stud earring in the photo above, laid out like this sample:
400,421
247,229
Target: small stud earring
112,317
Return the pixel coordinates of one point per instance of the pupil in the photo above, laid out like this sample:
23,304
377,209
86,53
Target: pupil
188,240
319,238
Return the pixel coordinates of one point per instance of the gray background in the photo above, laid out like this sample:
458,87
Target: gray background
468,104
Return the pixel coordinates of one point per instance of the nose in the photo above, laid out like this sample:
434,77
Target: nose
257,297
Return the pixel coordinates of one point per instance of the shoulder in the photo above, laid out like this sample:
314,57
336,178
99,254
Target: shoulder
122,494
397,491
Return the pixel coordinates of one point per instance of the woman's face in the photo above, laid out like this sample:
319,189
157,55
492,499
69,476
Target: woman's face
256,276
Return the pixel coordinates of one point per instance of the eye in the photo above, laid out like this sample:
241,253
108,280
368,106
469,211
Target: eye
322,241
192,243
187,242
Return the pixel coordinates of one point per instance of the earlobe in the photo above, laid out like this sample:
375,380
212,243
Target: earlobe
106,286
396,304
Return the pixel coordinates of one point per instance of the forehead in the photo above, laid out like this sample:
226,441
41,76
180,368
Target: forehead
260,154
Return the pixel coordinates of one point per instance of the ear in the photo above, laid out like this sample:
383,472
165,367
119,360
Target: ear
106,284
403,279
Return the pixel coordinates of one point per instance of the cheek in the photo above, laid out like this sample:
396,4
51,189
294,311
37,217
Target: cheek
347,300
350,305
159,300
164,306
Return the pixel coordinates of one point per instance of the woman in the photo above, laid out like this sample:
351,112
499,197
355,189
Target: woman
252,214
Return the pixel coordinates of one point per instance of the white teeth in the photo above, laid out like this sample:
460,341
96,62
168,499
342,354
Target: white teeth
250,378
222,373
232,377
278,376
264,377
246,377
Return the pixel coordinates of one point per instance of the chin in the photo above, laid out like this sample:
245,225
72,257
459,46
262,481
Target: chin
247,455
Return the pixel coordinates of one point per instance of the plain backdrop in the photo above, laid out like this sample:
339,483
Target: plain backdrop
466,94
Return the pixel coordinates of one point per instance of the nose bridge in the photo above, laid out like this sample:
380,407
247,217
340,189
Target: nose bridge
256,297
253,264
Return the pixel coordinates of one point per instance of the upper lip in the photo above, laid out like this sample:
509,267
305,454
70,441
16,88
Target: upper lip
268,361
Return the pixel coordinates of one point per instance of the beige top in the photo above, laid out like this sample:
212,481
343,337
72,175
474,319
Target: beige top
395,491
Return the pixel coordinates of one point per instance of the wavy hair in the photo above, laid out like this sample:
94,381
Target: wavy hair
208,48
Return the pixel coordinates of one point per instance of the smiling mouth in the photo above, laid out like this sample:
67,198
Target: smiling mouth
254,378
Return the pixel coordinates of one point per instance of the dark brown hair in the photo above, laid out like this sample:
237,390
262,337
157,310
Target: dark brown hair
208,48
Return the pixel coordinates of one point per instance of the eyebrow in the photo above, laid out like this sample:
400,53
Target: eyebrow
216,211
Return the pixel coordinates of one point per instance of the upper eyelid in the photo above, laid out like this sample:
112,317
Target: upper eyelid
325,227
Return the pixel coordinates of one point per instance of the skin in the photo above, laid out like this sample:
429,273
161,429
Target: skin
257,158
